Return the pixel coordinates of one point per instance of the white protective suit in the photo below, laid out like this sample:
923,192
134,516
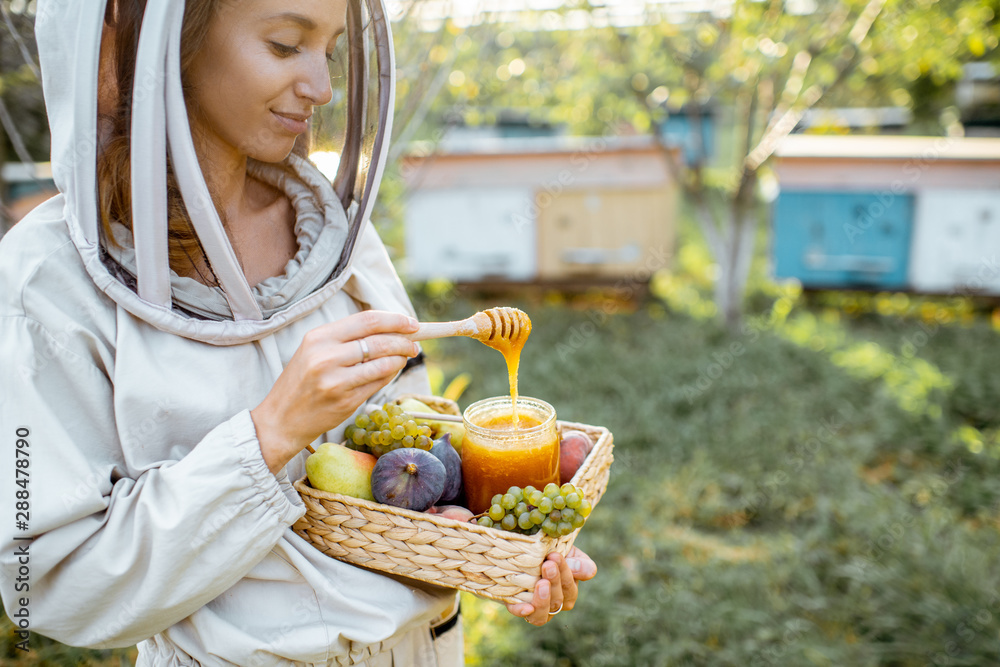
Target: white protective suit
153,518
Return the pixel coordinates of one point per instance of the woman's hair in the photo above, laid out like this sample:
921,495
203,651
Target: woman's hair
123,20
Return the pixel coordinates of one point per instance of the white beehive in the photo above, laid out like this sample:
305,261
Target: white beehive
550,209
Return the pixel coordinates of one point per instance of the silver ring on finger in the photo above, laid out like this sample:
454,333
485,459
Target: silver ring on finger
553,613
365,352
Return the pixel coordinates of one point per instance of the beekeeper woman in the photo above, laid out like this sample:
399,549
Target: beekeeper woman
196,306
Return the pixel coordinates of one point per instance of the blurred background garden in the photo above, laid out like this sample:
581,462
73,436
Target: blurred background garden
760,242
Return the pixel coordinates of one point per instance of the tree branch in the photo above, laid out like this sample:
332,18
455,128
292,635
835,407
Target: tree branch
419,114
787,121
801,63
25,53
15,136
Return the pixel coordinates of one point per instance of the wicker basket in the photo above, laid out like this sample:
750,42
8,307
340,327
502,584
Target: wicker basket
489,562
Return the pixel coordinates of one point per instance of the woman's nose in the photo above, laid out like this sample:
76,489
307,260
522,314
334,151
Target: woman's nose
314,85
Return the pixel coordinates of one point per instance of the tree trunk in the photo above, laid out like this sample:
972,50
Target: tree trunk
734,265
5,223
723,294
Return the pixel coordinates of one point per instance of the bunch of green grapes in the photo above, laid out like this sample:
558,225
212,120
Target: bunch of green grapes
555,510
386,429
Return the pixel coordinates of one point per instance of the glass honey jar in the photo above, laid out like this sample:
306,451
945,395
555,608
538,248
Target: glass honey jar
497,454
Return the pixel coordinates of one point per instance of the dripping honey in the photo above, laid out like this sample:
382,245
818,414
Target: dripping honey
508,337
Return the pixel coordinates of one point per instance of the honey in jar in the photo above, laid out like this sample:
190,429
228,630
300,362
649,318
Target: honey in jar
498,453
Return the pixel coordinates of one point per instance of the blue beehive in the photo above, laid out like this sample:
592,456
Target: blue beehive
842,239
888,213
680,130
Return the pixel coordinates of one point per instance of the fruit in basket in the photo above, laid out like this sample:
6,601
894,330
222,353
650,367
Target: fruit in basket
456,512
555,510
438,428
455,430
410,404
573,450
408,478
447,455
387,429
337,469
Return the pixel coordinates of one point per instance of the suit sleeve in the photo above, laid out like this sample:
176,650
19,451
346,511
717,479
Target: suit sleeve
114,560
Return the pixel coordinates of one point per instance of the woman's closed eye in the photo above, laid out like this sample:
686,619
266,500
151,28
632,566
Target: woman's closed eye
285,51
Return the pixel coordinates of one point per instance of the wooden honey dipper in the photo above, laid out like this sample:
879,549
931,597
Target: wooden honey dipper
498,328
503,329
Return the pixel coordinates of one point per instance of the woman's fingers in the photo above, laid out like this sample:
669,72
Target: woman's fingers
365,324
536,611
540,603
343,367
337,367
367,379
352,353
567,580
550,594
580,564
381,345
557,585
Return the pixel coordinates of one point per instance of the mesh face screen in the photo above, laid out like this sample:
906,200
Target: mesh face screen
348,133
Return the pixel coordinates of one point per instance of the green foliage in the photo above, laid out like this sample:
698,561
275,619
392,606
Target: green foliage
44,652
20,90
604,79
785,512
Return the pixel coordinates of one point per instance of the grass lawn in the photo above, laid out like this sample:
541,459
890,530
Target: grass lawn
820,489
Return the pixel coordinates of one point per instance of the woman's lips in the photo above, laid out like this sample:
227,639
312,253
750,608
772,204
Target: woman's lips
294,124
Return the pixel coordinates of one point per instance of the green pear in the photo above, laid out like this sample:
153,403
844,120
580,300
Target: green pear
457,432
413,405
336,469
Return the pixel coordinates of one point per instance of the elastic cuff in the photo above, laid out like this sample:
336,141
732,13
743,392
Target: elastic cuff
286,486
252,461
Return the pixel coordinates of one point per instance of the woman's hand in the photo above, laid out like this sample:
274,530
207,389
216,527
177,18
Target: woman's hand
557,589
327,379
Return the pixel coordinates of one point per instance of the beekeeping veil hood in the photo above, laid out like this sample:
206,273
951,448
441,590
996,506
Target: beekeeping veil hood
69,34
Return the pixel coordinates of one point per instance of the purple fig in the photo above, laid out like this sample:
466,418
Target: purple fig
409,478
446,453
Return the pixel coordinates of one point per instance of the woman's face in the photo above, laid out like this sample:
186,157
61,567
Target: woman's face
262,69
